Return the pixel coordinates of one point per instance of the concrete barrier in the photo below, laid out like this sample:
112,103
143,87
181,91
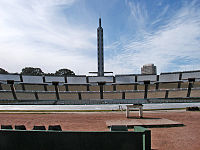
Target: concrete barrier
32,79
142,78
51,79
5,77
108,79
188,75
125,79
169,77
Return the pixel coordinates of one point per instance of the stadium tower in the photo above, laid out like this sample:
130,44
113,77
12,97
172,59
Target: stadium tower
100,49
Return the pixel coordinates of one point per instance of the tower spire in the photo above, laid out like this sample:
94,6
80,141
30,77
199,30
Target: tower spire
100,49
100,22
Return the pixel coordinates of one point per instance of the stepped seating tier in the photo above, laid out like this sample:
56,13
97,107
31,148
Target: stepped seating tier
119,87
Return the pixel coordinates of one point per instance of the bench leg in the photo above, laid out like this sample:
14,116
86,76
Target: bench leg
127,112
141,112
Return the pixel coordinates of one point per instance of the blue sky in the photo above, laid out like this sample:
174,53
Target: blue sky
54,34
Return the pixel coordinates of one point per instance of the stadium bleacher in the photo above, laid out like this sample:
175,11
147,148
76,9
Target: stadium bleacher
156,94
151,78
33,83
50,79
187,75
125,79
108,87
94,87
5,87
68,96
134,95
169,77
47,96
25,96
195,93
6,95
96,79
5,77
177,94
165,85
112,95
90,95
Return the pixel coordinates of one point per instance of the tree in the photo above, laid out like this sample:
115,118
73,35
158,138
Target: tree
64,72
3,71
49,74
32,71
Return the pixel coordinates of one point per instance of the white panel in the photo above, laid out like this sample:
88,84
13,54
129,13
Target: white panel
100,79
32,79
191,75
76,80
54,79
169,78
5,77
125,79
146,77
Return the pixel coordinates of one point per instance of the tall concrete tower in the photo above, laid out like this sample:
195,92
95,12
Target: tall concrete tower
100,49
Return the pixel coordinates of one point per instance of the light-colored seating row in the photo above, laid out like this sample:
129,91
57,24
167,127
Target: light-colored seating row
182,93
119,79
6,95
118,87
112,83
195,93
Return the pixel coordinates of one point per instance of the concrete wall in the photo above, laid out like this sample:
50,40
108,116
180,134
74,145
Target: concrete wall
165,77
147,77
191,75
125,79
89,96
5,86
5,77
77,88
134,95
168,85
47,96
124,87
6,95
33,79
46,140
101,101
116,95
156,94
195,93
68,96
108,87
25,96
101,79
34,87
54,79
176,94
76,80
169,77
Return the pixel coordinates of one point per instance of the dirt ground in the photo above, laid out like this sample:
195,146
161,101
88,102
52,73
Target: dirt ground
173,138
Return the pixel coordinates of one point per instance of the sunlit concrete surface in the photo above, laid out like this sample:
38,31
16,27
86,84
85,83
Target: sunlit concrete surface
94,107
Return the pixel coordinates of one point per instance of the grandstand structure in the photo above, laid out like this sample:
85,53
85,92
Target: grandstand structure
118,89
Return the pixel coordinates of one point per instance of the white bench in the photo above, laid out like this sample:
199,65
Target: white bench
134,106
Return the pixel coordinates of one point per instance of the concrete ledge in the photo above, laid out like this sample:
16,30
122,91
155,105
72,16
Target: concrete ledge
145,122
